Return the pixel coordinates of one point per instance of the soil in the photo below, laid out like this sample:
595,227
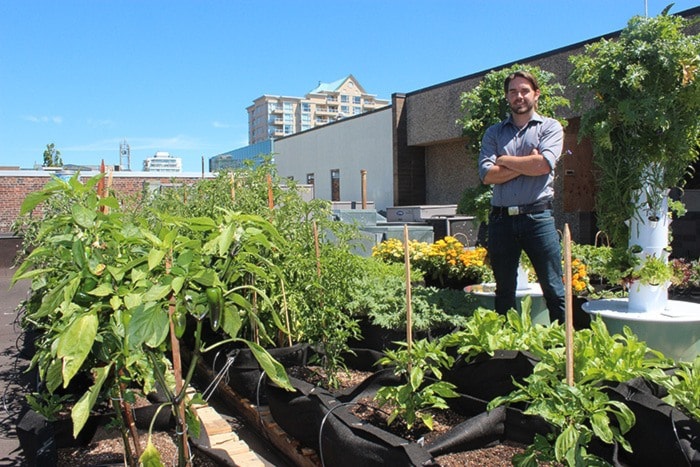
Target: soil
107,448
493,456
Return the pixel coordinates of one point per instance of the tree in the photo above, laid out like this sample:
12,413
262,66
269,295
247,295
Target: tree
52,156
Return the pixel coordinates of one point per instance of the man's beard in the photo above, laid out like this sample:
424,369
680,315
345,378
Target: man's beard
522,108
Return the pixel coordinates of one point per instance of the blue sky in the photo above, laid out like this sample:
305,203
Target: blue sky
177,75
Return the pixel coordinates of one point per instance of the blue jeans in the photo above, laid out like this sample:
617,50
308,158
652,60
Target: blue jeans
537,235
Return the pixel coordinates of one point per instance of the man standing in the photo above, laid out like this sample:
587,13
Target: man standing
517,157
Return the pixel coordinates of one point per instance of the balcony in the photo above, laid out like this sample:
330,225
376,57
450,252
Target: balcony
326,111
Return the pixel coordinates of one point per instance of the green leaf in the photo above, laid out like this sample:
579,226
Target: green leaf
206,277
427,420
32,200
150,456
79,254
193,425
102,290
83,216
82,408
231,324
132,300
275,371
53,376
177,284
75,343
601,426
565,442
156,293
416,377
155,257
148,325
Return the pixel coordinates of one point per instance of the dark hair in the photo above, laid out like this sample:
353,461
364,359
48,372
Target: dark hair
521,74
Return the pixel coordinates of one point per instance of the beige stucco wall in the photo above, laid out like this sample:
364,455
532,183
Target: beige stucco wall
350,145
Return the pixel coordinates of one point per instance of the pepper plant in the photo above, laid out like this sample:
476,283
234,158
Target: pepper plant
109,292
315,271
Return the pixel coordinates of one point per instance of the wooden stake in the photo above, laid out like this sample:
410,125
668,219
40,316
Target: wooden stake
286,314
318,251
569,318
177,368
409,308
270,198
363,178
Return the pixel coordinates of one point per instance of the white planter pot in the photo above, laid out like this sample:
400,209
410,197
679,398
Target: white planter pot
647,298
523,283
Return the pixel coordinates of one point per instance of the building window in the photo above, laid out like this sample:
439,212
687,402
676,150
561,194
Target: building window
345,110
288,118
356,110
288,107
310,179
335,185
344,98
357,100
305,107
288,129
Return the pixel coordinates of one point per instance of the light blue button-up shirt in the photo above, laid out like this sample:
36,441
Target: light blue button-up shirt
545,134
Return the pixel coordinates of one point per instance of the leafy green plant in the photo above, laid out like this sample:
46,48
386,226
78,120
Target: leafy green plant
683,386
415,365
476,201
686,274
307,280
110,287
584,411
48,405
595,257
643,122
487,331
579,413
653,271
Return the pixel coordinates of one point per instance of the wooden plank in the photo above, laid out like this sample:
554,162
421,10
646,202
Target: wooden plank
260,420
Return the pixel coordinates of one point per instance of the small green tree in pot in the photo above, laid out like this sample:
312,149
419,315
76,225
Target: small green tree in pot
643,123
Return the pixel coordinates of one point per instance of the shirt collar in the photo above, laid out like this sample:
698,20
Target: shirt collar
534,118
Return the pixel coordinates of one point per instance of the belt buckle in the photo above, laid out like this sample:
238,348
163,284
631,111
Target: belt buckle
513,210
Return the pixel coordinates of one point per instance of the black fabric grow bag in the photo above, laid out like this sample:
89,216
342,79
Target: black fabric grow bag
323,421
662,434
245,372
486,377
301,412
348,441
41,438
379,338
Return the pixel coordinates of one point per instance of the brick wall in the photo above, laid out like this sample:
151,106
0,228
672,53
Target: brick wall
15,185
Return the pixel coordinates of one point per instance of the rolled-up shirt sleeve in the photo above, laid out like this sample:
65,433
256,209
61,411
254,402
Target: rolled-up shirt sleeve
489,151
551,142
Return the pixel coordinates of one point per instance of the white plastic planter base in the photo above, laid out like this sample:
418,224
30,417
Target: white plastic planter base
643,298
674,331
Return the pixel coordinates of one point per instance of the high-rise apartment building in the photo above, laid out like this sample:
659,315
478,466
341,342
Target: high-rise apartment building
272,117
